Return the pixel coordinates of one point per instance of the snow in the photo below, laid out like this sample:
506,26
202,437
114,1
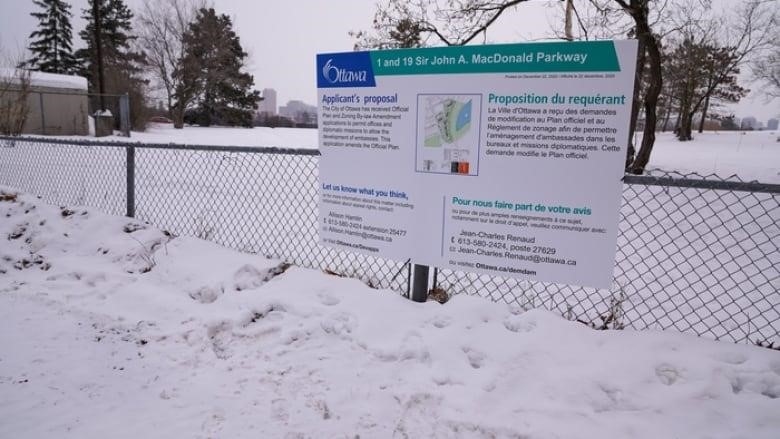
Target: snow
48,80
751,155
110,327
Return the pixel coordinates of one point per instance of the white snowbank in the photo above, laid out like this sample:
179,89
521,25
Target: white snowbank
112,328
42,79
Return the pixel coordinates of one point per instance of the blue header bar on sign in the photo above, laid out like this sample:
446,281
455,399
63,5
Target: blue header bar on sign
350,69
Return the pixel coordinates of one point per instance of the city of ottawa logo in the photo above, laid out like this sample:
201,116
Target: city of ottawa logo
336,75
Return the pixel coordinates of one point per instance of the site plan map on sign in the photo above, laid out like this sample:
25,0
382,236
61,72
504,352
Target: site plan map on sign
448,134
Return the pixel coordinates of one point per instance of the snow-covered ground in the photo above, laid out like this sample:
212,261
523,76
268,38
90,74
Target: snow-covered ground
112,328
752,155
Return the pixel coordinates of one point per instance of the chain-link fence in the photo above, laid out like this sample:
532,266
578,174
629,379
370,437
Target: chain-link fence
695,254
258,200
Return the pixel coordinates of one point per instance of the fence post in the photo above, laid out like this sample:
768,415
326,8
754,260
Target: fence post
420,283
130,181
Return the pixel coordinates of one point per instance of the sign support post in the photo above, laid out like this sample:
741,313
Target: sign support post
420,283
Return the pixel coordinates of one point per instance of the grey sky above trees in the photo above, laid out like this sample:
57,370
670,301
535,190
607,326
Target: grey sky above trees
282,38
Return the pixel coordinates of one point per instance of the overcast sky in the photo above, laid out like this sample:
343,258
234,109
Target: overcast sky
283,37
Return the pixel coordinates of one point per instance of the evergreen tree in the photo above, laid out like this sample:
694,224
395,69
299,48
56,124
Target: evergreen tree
116,36
122,66
701,74
211,73
51,44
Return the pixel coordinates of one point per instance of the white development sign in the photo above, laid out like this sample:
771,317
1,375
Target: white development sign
503,159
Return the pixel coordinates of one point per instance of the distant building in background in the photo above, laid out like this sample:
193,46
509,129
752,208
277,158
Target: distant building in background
771,124
268,105
295,114
300,112
749,123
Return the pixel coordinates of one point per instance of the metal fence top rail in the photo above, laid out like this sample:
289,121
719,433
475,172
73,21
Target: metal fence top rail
645,180
742,186
173,146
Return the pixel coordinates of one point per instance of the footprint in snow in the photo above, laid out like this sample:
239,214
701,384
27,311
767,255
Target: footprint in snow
476,358
221,337
213,423
442,321
279,410
519,323
206,294
328,300
339,324
667,374
734,358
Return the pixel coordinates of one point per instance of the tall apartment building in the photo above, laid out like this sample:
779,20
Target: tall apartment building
268,104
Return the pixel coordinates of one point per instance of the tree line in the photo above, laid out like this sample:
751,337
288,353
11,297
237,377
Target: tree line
689,62
181,50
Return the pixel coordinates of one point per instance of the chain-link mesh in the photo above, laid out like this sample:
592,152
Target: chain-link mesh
263,203
693,259
695,253
258,200
66,174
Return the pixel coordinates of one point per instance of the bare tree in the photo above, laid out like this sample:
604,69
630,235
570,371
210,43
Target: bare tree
14,104
448,22
719,49
415,23
458,22
766,70
15,87
639,11
765,66
646,21
161,25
